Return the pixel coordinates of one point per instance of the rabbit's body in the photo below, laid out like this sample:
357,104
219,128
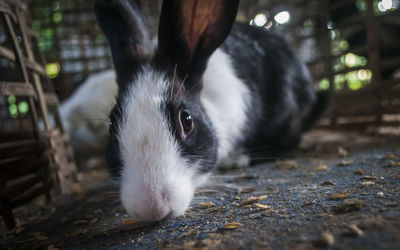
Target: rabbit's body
283,103
84,116
196,101
256,86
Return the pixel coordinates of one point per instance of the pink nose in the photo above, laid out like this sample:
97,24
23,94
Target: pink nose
153,208
153,213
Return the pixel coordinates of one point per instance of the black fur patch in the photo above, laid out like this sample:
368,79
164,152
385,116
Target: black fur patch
113,154
201,144
283,95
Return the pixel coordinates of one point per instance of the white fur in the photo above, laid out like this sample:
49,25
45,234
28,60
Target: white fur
156,180
85,114
226,99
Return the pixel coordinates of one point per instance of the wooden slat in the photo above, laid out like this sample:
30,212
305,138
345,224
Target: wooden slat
10,191
15,136
7,53
357,20
361,125
32,65
5,8
17,89
18,4
13,149
17,144
91,58
5,211
51,99
32,33
365,103
338,4
392,62
21,166
50,133
31,194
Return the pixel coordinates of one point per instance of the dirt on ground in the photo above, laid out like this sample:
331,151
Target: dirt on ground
339,191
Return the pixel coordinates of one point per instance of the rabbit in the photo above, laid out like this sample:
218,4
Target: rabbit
209,93
84,115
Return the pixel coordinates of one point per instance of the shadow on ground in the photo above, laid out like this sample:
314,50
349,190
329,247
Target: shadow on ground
340,191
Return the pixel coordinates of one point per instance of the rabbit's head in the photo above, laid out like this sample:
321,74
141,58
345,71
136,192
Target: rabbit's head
162,143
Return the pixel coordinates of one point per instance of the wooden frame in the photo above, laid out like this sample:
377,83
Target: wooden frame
32,158
382,95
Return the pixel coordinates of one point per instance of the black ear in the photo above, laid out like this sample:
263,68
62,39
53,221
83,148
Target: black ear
191,30
127,35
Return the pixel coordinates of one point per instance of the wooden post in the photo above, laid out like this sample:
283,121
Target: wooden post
373,51
8,216
327,48
294,25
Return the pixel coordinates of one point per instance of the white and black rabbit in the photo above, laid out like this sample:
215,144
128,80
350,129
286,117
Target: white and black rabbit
211,92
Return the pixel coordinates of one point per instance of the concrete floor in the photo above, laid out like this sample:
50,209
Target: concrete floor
325,197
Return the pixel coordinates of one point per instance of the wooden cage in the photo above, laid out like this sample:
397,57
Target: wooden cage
70,37
317,30
328,35
359,25
34,150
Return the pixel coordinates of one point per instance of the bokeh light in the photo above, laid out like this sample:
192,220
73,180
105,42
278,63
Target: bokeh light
52,69
23,108
13,109
260,19
350,60
282,17
11,99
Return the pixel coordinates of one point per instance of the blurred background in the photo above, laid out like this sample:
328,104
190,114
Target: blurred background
351,47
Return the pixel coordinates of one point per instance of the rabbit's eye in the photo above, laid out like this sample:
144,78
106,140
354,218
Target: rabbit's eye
186,122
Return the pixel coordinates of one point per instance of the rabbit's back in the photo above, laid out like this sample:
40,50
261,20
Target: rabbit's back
282,95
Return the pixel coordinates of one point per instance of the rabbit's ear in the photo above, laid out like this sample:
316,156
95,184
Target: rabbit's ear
127,35
191,30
